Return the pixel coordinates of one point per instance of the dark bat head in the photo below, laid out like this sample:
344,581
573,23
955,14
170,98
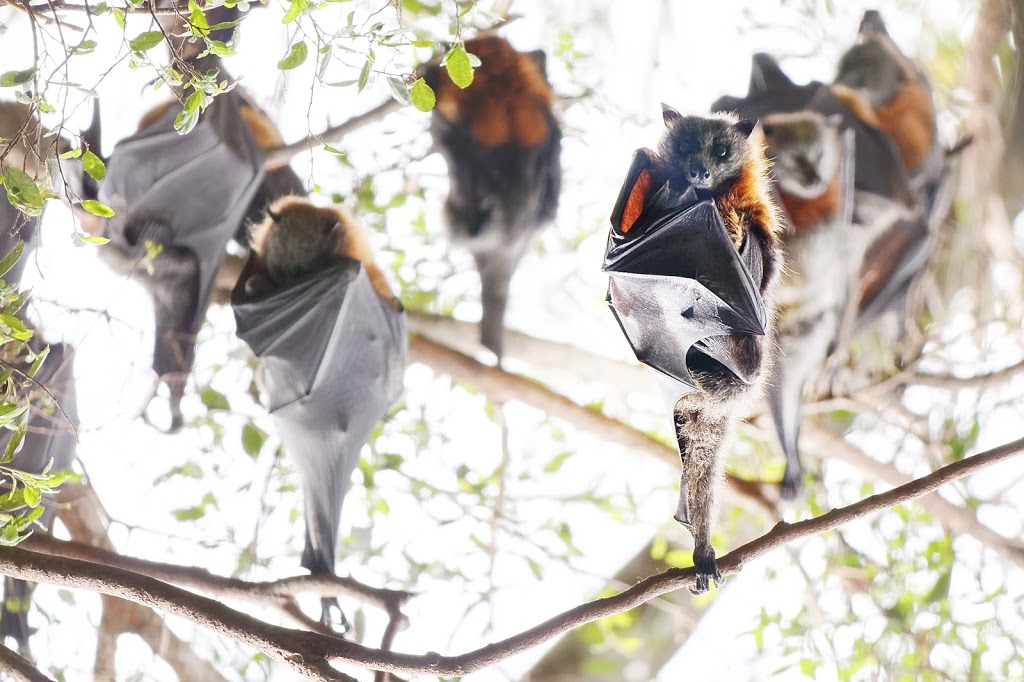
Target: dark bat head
872,69
706,153
296,238
805,150
872,25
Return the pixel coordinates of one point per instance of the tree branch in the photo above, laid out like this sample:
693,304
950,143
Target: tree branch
19,668
309,652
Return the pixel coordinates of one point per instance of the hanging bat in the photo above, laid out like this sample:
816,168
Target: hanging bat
50,441
692,257
886,89
316,309
812,160
502,145
189,194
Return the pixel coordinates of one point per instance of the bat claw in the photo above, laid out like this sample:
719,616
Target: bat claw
707,570
789,488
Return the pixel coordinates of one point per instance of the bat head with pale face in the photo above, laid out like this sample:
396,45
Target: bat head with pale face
707,153
805,150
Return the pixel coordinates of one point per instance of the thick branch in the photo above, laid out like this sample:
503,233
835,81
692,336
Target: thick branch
19,668
308,652
500,386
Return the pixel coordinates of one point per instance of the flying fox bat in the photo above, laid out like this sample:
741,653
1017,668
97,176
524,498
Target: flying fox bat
813,167
316,309
50,441
188,194
502,145
692,256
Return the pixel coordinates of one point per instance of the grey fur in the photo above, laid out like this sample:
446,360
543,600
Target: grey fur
870,69
707,153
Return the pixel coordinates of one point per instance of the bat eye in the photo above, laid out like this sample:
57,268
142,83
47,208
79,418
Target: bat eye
720,151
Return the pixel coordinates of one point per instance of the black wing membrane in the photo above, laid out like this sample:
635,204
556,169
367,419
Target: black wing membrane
190,194
50,441
676,281
333,356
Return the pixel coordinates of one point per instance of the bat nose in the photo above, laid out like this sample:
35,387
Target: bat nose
698,172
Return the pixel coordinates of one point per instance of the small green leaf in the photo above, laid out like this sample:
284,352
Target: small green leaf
85,47
189,513
296,8
94,166
90,239
146,41
460,70
253,438
556,463
214,400
13,78
10,259
295,57
22,189
97,208
72,154
422,95
118,17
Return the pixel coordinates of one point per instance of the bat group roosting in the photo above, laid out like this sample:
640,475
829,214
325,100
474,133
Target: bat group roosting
721,254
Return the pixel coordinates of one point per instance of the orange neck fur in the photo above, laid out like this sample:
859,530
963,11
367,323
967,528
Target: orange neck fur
749,200
806,214
909,120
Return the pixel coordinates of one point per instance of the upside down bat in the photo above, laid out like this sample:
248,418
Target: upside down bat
692,257
813,167
315,307
502,145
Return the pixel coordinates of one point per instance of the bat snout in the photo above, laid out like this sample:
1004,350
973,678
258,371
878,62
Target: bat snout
698,174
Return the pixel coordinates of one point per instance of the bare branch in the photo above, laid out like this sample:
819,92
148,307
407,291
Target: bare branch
19,668
309,653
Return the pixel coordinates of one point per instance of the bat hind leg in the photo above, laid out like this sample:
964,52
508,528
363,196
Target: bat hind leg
706,568
329,606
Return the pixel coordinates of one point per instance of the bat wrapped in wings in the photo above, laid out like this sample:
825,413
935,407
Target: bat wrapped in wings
332,344
188,194
49,444
677,285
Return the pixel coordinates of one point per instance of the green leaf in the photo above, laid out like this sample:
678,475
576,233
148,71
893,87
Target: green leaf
297,7
97,208
422,95
32,496
460,70
364,74
22,189
85,47
118,17
10,259
17,328
398,89
94,166
146,41
90,239
73,154
12,78
189,513
100,9
214,400
556,463
295,57
253,438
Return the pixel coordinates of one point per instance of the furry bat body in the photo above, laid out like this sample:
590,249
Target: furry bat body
693,255
502,145
315,307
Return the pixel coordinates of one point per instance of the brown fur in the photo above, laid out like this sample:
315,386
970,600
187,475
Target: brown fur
749,200
857,104
909,120
508,100
262,128
807,213
352,241
881,259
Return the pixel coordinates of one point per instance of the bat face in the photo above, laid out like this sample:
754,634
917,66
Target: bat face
675,279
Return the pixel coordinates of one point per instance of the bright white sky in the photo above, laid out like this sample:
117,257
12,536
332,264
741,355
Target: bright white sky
698,53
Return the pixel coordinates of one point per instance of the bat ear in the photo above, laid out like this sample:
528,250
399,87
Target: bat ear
746,126
669,114
872,25
276,217
540,59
